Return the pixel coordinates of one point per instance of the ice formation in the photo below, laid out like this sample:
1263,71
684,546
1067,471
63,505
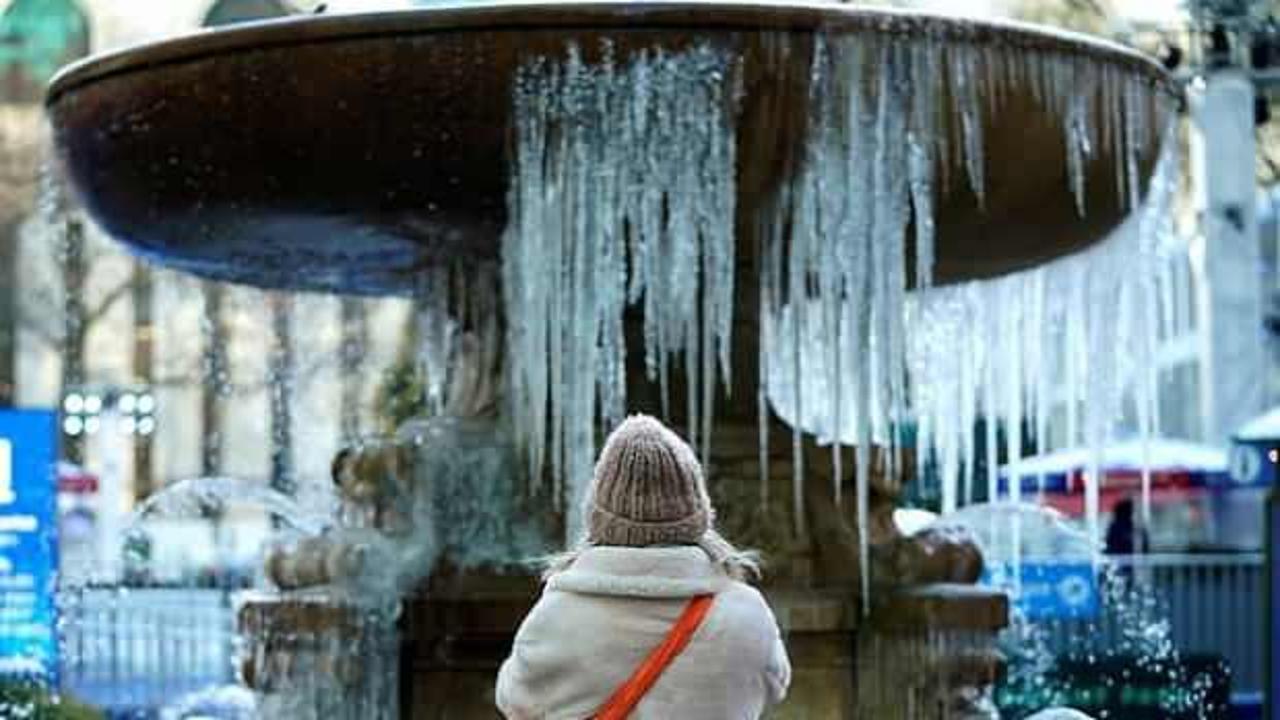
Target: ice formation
465,493
204,496
617,166
1092,319
315,657
945,356
939,673
623,190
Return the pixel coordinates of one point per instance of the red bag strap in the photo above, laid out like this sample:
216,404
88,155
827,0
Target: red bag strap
626,698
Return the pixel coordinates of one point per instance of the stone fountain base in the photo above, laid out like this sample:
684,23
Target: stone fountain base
312,656
458,638
925,650
928,647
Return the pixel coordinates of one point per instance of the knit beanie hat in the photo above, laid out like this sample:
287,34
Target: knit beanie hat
648,489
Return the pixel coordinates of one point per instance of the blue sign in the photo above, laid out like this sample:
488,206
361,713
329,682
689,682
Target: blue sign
1252,464
28,557
1273,597
1049,591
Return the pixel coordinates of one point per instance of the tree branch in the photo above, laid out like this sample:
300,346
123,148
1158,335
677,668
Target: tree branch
1092,6
305,372
111,298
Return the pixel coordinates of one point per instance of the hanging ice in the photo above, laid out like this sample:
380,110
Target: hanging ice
622,191
945,356
1090,319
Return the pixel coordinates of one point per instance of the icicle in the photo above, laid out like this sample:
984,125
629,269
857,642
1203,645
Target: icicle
435,335
1113,88
1043,373
797,471
833,303
1150,398
762,406
968,410
864,498
1078,146
921,142
892,213
964,78
1014,383
797,305
991,415
1134,121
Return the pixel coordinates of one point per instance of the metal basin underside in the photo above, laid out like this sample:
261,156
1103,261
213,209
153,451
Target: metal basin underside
345,153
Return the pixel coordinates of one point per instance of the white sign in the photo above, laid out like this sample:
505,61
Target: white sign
6,472
1075,591
1246,464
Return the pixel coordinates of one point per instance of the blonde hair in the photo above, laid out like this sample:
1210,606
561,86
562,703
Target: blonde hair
743,565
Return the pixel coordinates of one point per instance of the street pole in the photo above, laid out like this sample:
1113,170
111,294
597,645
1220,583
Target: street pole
111,449
1229,296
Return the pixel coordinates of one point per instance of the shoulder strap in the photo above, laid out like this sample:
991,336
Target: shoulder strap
625,698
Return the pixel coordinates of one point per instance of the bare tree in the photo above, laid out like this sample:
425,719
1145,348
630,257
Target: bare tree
1089,16
57,311
355,338
283,376
19,148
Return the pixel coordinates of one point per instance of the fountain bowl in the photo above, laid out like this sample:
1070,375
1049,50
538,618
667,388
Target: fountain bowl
346,153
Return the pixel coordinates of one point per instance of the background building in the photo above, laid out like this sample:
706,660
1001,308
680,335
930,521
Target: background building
267,388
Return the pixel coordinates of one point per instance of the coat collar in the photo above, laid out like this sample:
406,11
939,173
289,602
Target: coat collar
650,572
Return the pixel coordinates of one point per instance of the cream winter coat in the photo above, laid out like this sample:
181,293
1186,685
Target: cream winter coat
599,619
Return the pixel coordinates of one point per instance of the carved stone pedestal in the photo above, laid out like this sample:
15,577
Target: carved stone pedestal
841,663
319,657
930,652
455,642
927,647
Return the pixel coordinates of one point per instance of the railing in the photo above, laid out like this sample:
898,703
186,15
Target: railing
139,649
143,648
1213,604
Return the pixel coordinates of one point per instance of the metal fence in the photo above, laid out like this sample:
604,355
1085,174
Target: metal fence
1213,604
139,649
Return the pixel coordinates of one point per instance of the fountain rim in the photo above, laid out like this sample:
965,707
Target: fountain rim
499,15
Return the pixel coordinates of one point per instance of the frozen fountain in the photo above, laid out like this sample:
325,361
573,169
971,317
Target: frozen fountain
789,228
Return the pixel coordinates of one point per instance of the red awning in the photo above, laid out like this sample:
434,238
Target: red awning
1072,504
1131,480
76,480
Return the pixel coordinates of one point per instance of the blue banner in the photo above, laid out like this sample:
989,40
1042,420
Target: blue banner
1273,597
28,542
1049,591
1252,464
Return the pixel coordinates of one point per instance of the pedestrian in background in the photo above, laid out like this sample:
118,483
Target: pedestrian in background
1124,535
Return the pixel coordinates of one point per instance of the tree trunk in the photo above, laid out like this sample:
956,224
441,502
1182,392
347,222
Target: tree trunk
215,380
143,371
75,322
281,377
355,338
9,312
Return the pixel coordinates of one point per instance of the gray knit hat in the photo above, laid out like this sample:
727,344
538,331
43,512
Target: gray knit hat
648,489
